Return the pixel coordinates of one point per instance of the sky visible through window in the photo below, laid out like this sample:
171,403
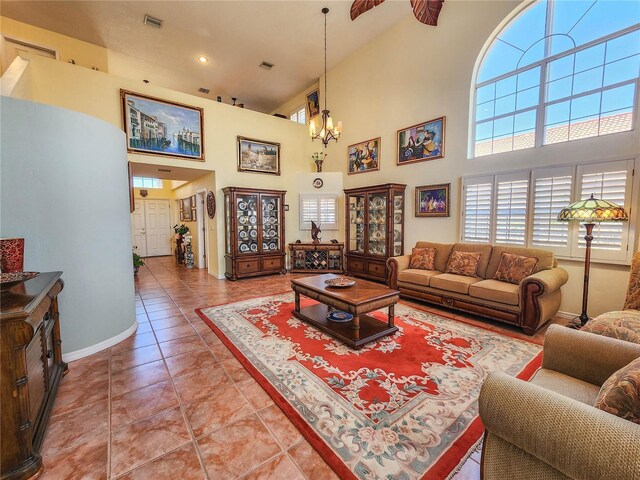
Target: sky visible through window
511,105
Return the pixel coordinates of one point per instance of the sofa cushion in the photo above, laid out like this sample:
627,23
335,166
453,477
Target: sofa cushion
422,258
514,268
443,250
453,283
546,259
620,393
495,290
485,254
417,276
463,263
566,385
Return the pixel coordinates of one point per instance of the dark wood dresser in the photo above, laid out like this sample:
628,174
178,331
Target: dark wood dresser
32,366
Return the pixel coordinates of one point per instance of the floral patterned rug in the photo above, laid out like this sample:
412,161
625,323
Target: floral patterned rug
403,407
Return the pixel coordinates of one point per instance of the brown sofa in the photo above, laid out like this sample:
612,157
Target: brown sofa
528,305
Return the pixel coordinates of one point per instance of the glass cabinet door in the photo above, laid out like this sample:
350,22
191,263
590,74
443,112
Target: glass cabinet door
356,223
271,241
398,224
247,213
377,223
227,216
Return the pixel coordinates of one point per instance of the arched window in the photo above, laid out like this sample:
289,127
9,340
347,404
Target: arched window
561,70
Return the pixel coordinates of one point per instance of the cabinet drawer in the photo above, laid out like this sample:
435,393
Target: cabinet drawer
274,263
377,269
355,265
35,372
248,266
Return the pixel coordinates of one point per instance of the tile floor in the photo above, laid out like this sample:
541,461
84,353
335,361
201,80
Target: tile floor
172,401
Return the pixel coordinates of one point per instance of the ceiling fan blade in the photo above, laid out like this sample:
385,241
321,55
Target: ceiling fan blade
358,7
426,11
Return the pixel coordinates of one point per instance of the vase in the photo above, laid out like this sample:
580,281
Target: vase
12,255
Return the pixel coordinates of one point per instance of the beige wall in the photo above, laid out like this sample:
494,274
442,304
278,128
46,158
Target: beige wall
83,53
296,101
413,73
98,94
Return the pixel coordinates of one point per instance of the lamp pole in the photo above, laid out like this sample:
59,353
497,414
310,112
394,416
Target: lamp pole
584,318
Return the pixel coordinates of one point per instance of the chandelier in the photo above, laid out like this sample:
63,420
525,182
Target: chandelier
327,130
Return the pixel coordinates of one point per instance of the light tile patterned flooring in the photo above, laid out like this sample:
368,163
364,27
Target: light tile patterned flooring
171,401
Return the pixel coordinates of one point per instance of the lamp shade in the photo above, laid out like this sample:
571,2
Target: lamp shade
593,210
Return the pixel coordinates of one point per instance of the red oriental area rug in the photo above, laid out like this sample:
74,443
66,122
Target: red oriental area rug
404,407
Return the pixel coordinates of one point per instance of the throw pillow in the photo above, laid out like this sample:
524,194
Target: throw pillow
620,394
513,268
633,291
463,263
423,258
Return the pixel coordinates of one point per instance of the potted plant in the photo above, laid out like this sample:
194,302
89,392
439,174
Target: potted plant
180,231
138,261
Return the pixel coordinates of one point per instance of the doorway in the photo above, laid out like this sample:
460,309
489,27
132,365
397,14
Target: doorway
151,227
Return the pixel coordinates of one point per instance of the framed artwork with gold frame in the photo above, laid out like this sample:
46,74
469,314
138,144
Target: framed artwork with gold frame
421,142
433,200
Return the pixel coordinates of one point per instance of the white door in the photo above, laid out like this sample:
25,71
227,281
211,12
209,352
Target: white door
158,227
138,229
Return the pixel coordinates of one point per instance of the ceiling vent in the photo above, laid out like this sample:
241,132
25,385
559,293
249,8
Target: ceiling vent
203,90
266,65
152,21
164,170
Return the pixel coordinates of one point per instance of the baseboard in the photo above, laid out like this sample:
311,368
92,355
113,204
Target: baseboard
567,315
98,347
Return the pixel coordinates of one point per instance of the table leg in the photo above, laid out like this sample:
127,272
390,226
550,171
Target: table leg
297,308
391,315
356,327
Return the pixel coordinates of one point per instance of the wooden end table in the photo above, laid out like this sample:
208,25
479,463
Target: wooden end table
358,300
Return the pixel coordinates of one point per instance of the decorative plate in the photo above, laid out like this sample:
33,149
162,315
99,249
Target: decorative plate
253,220
244,247
272,220
273,246
339,316
397,251
340,282
8,280
396,235
317,183
397,203
265,246
243,234
253,234
252,205
254,247
242,205
243,220
377,202
211,204
271,206
397,218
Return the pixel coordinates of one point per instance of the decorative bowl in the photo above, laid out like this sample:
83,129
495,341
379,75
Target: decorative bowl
8,280
339,316
340,282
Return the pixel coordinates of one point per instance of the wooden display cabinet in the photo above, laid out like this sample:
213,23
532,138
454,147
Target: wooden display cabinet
316,257
254,232
374,228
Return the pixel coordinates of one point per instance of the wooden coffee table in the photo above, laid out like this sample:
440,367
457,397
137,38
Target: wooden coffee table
358,300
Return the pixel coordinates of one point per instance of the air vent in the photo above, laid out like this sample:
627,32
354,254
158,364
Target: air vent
266,65
203,90
163,170
152,21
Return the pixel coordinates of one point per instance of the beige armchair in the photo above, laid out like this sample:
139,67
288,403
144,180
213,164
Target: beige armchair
547,428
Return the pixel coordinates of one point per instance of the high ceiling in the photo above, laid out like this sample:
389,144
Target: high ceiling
235,36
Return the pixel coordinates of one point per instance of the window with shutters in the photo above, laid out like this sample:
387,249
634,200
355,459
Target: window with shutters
521,209
321,208
299,115
147,182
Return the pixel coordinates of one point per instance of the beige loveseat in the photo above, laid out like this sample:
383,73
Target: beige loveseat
528,305
548,428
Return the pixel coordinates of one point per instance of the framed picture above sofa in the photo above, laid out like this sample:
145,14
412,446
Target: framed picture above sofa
433,200
158,127
421,142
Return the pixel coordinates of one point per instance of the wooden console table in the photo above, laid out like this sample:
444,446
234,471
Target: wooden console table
316,257
32,366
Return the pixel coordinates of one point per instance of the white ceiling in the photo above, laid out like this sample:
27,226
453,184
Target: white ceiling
235,35
160,171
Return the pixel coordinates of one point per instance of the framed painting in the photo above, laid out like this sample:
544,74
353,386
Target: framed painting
313,104
424,141
158,127
258,156
186,209
433,200
364,156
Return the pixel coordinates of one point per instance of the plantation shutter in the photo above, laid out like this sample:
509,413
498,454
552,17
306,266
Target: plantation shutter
610,181
477,204
511,208
322,209
552,191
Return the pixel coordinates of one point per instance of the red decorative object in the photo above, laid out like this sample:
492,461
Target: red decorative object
426,11
404,406
12,255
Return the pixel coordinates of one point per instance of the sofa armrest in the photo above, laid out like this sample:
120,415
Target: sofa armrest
589,357
394,266
577,439
550,280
